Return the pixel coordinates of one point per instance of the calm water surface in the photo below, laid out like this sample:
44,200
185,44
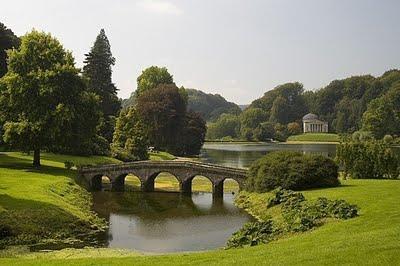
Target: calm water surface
168,222
242,155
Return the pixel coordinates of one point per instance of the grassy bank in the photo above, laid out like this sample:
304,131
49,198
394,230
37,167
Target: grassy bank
371,239
314,137
45,205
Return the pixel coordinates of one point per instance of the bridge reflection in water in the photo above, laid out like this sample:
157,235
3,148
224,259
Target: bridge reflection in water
147,171
168,222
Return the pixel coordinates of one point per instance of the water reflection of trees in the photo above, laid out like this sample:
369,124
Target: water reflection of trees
159,205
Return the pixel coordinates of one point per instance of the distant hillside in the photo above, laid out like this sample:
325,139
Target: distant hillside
210,106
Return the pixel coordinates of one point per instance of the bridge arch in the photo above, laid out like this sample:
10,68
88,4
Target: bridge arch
158,178
100,182
147,171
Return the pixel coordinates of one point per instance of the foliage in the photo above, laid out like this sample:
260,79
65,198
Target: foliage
252,234
210,106
293,128
383,114
8,40
369,159
249,120
293,213
291,170
227,125
43,99
97,70
162,111
151,78
192,134
129,141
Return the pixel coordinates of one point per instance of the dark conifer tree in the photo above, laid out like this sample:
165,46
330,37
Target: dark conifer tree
8,40
97,70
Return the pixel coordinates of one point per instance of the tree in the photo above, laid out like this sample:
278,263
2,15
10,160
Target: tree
98,72
193,134
279,110
8,40
151,78
43,97
129,140
249,120
227,125
265,131
162,110
383,114
294,128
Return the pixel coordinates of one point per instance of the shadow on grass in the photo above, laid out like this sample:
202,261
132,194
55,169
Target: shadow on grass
32,222
13,163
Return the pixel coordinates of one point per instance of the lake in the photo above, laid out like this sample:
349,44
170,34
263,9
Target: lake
163,222
242,155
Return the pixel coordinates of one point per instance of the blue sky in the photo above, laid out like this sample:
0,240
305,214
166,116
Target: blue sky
237,48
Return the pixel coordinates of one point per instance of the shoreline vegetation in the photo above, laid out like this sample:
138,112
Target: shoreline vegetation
306,138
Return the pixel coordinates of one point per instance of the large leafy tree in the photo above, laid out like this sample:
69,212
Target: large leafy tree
98,72
43,99
8,40
383,114
129,141
192,134
152,77
162,111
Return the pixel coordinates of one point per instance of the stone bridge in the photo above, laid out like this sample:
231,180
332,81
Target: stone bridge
147,171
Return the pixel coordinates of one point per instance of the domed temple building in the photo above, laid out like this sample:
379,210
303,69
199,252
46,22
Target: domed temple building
311,124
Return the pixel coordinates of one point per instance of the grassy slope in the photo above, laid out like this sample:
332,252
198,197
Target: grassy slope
31,200
314,137
370,239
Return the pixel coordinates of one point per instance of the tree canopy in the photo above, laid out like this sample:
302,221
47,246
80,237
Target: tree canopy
44,101
152,77
129,140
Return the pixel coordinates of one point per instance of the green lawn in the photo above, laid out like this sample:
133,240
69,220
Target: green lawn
46,204
370,239
314,137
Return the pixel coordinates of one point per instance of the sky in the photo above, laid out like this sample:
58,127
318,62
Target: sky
237,48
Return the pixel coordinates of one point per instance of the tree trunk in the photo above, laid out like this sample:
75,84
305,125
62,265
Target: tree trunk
36,158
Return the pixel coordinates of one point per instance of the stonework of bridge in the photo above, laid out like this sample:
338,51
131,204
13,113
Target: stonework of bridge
147,171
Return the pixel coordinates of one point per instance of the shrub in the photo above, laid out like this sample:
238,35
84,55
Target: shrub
297,215
371,159
291,170
251,234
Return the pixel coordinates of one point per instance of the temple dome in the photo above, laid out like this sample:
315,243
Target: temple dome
310,116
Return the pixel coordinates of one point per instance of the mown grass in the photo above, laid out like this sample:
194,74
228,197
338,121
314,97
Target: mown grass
370,239
40,205
161,155
314,137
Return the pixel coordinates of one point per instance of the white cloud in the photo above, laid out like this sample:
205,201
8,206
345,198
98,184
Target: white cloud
160,6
